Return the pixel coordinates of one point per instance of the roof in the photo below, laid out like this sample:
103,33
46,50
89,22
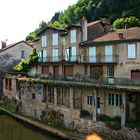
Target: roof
73,25
14,44
121,35
49,27
93,23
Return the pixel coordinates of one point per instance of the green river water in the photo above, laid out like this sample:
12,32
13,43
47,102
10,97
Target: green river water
10,129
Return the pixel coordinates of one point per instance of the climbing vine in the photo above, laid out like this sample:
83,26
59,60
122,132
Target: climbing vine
27,63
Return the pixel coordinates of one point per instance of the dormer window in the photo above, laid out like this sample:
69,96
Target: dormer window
55,39
73,36
44,41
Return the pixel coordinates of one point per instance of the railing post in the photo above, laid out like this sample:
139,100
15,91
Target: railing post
123,110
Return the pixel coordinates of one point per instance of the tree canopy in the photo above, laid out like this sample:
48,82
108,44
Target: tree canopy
93,10
131,22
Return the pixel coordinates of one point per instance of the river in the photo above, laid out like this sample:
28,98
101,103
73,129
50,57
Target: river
11,129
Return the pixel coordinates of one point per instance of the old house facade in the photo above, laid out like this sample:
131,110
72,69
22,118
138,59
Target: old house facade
97,72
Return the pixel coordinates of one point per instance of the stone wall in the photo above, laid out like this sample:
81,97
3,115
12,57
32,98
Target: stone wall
72,120
31,96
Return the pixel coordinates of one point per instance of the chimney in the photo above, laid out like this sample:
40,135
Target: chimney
126,25
84,29
120,35
3,44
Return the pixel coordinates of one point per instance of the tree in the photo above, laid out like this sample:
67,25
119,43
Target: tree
132,22
32,36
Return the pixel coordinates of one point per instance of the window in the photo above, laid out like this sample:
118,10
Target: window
73,36
44,55
118,100
111,99
92,54
50,94
89,100
131,51
44,41
40,55
67,54
22,54
115,99
55,55
33,96
55,39
108,53
8,84
73,53
111,71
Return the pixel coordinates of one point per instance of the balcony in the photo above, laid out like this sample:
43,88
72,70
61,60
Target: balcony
100,59
79,78
104,59
74,58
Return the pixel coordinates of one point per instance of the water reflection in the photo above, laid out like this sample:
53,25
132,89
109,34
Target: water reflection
10,129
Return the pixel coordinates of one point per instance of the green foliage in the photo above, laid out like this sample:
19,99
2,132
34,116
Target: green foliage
113,123
120,22
27,63
32,36
52,117
93,10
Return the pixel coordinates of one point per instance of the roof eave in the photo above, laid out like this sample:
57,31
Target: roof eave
84,44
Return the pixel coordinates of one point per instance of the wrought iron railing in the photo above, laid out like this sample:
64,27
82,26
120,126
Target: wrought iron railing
82,59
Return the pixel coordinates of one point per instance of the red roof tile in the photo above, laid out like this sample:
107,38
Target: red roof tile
121,34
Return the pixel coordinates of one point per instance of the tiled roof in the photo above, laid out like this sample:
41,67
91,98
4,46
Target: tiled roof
93,23
49,27
118,35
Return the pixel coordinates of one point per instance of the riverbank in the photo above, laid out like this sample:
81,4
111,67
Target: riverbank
41,126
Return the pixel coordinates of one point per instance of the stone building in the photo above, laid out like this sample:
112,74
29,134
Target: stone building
14,53
97,72
11,55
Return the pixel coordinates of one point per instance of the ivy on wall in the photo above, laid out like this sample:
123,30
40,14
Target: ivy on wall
27,63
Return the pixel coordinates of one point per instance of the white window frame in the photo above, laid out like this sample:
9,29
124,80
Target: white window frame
115,99
55,39
109,53
40,53
73,54
44,53
131,51
55,55
73,36
92,54
44,41
89,100
67,54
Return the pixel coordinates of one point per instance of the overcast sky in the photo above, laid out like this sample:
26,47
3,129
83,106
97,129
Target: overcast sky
20,17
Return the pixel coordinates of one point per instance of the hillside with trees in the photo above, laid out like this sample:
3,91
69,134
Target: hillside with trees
93,10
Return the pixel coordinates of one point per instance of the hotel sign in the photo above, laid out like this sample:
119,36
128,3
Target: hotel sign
132,62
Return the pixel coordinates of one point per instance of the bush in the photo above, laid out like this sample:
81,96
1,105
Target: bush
52,117
27,63
132,22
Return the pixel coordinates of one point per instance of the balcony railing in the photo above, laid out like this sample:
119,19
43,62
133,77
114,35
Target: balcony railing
82,59
87,79
100,59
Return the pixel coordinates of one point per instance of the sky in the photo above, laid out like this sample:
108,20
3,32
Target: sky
20,17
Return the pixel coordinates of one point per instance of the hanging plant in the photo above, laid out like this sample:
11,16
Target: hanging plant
27,63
